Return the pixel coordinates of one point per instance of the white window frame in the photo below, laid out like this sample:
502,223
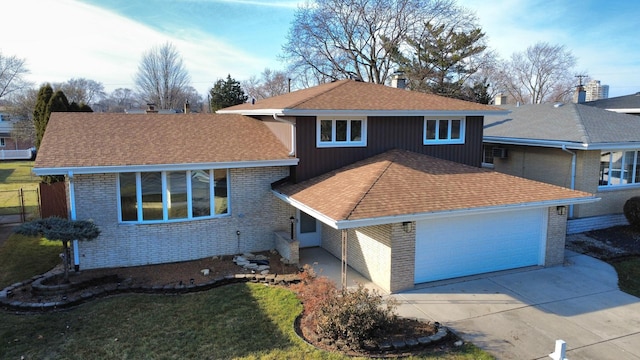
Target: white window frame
165,211
348,143
635,181
448,140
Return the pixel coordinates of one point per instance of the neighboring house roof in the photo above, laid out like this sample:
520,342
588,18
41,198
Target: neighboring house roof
408,186
110,142
575,126
629,104
356,97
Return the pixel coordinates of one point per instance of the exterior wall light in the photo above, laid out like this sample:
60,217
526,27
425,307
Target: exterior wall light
562,210
407,226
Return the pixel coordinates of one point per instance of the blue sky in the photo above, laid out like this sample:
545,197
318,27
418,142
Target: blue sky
104,40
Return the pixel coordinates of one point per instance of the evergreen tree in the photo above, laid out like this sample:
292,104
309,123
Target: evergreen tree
226,93
40,114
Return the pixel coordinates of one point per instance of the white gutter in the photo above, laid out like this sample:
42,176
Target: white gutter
573,174
349,224
293,132
163,167
560,144
72,209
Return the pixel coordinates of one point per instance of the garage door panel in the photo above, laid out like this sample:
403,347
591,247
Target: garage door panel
474,244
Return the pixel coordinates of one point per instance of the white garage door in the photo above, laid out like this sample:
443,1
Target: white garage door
466,245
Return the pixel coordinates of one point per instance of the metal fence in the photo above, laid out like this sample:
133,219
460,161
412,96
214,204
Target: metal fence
17,206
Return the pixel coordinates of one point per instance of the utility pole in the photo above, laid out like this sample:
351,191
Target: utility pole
580,77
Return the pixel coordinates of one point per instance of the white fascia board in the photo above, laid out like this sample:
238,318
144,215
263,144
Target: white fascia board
350,224
626,111
294,112
535,142
302,112
163,167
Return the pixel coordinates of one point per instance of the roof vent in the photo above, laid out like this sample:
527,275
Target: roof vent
558,104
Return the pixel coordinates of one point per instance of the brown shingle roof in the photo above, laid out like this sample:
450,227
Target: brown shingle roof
400,182
108,139
356,95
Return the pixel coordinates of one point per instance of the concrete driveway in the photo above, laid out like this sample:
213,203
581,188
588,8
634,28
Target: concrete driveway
520,314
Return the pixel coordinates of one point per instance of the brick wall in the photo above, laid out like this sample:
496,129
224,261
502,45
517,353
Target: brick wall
368,251
385,254
403,257
556,235
255,212
554,166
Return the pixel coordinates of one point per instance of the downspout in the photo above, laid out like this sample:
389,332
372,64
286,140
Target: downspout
573,174
293,133
72,208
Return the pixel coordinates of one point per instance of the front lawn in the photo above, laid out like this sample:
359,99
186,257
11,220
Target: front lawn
244,321
22,257
628,274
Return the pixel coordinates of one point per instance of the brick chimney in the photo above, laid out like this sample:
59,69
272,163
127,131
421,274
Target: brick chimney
500,99
187,107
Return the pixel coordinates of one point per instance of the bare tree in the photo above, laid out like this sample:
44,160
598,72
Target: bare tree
538,74
271,83
82,91
356,38
12,75
162,77
119,100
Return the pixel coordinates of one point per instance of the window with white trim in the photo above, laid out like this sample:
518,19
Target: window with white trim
619,168
1,142
172,195
341,132
443,131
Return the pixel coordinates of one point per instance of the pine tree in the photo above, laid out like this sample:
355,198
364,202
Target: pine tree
40,113
226,93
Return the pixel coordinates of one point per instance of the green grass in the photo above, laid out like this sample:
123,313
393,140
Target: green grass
17,174
13,176
242,321
628,275
23,257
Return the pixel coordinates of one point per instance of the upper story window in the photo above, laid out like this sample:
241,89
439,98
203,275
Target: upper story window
443,131
1,142
172,195
339,132
619,168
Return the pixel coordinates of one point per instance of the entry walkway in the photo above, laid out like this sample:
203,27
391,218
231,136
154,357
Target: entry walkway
520,314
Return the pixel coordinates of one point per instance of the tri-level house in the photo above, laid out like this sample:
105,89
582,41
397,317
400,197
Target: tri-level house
388,180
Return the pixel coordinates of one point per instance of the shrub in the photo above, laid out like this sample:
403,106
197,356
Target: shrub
355,316
632,211
314,290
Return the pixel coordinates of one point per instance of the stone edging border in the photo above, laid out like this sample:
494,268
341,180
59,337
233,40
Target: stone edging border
124,288
389,346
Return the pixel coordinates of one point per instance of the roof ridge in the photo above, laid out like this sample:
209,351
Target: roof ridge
336,84
586,136
373,183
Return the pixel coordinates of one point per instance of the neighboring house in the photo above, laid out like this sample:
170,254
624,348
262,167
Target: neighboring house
627,104
571,145
386,179
10,147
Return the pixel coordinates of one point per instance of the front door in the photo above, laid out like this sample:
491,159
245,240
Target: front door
308,230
